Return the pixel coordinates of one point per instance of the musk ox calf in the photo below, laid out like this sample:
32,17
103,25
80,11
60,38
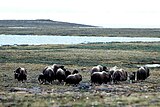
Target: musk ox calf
20,74
48,75
100,77
74,79
98,68
41,78
119,75
142,73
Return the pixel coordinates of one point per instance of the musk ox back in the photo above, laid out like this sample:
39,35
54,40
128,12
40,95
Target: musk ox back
55,67
98,68
60,75
73,79
100,77
48,74
20,74
142,73
119,75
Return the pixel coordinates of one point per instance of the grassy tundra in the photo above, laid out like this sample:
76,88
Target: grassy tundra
82,57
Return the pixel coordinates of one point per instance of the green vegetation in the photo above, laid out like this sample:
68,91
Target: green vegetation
81,57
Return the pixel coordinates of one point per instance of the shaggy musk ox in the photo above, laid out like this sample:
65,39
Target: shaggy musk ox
73,79
60,75
20,74
142,73
41,78
98,68
100,77
47,75
119,75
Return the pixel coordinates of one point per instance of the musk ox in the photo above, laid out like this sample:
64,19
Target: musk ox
48,74
100,77
55,67
41,78
74,79
20,74
60,75
119,75
142,73
98,68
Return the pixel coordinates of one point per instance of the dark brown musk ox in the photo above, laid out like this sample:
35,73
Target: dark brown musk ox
98,68
74,79
142,73
100,77
60,75
119,75
48,75
20,74
41,78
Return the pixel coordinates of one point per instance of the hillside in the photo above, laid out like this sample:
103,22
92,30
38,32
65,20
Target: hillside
39,23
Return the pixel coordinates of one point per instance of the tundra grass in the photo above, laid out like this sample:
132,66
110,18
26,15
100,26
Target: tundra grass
81,57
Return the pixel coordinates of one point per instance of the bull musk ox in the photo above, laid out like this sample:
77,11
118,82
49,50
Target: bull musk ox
142,73
98,68
100,77
20,74
119,75
73,79
48,74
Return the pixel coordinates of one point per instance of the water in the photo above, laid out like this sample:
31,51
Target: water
46,39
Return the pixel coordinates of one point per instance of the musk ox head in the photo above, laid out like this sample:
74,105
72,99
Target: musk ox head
75,71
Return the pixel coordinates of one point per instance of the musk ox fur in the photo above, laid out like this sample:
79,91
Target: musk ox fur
60,75
20,74
100,77
142,73
74,79
48,74
41,78
119,75
98,68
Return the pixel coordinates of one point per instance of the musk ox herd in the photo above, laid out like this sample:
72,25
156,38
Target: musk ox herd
98,75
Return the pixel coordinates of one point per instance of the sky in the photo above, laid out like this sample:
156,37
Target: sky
104,13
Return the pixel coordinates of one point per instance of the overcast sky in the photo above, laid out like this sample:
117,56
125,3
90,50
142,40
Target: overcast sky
106,13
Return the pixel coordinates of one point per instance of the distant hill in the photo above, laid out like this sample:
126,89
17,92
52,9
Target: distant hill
39,23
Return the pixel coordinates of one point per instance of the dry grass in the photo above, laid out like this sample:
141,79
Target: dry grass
35,58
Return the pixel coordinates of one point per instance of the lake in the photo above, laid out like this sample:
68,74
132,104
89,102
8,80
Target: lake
47,39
